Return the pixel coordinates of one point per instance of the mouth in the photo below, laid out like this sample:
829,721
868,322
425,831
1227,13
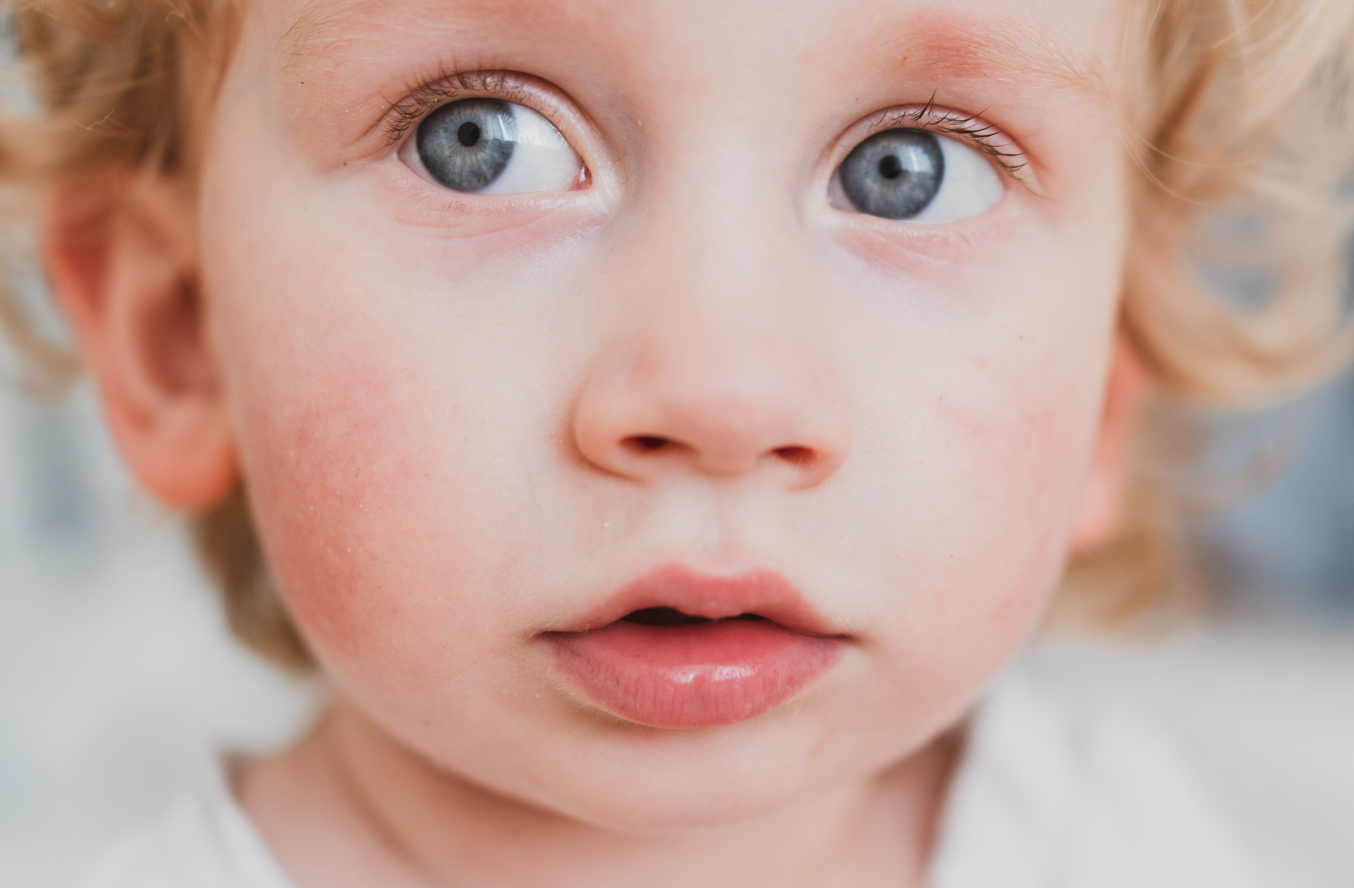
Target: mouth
682,649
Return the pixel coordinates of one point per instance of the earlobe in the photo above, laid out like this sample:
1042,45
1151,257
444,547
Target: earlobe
1105,488
122,260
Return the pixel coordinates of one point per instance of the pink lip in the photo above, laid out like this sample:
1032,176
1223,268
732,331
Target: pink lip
696,675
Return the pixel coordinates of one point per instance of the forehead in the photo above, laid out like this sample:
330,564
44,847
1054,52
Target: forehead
1067,42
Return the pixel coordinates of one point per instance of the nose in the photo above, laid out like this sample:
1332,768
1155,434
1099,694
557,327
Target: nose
709,395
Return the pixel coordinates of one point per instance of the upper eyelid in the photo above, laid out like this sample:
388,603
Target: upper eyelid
983,136
423,99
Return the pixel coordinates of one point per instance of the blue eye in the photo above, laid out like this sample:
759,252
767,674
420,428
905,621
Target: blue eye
917,176
485,146
467,145
894,174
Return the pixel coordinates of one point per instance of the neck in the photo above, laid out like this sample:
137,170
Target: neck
350,806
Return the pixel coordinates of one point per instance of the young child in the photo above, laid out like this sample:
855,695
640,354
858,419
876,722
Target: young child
662,422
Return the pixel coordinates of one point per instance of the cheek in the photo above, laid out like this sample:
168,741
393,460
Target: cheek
398,520
341,505
1024,452
982,411
973,554
382,493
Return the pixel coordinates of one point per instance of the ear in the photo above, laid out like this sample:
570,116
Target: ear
122,259
1105,488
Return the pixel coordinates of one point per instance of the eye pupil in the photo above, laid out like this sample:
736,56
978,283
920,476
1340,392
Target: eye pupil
468,134
894,174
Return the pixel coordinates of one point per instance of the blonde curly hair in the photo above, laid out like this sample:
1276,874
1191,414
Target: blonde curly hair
1230,109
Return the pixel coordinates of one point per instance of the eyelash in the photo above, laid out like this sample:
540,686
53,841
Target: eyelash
452,84
982,136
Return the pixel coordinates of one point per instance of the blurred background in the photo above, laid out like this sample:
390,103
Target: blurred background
118,680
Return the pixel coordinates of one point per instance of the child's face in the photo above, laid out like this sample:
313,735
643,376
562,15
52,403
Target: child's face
694,375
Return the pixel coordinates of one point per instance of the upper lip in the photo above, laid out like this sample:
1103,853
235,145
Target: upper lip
761,592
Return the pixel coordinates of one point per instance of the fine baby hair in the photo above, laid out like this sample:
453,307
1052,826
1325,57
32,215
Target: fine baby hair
520,372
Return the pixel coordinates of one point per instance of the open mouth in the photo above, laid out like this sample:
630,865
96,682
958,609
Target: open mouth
680,667
668,616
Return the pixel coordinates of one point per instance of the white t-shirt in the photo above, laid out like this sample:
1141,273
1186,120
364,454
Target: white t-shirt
1047,796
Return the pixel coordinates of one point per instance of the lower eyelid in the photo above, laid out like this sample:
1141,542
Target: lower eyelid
411,200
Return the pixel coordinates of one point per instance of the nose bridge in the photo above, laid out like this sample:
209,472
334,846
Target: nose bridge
719,246
719,197
716,268
714,367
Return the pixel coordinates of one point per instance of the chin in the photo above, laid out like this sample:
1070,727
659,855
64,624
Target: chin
681,797
637,779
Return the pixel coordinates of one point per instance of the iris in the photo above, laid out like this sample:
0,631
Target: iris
894,174
467,145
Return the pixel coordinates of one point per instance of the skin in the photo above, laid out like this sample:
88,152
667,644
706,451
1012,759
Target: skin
429,396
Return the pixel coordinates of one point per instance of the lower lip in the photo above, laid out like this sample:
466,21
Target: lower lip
695,675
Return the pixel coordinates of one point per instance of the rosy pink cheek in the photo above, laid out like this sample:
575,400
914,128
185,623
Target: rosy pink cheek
337,489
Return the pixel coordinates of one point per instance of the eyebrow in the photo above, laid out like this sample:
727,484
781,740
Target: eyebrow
322,24
316,25
1012,49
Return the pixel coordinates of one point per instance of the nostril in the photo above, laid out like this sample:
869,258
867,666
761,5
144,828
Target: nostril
795,455
645,443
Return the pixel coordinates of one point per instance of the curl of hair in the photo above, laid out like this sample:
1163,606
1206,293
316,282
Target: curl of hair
1233,111
1229,108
